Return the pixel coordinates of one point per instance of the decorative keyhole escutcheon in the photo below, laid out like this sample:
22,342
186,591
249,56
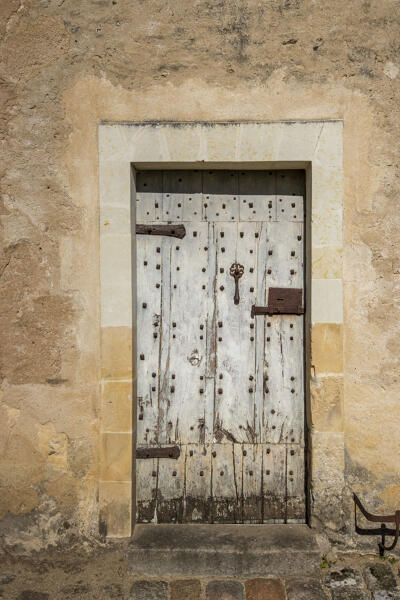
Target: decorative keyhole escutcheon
236,271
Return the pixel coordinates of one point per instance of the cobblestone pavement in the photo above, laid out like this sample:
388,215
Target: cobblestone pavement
103,575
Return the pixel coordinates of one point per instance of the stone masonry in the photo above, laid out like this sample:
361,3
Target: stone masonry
104,576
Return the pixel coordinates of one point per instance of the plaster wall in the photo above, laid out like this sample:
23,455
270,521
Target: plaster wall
66,66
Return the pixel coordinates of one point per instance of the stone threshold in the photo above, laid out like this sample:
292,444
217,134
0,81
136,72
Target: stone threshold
229,550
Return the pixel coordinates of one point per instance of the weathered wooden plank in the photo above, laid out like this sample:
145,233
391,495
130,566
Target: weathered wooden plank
220,196
174,188
257,196
211,335
185,390
226,483
148,337
192,196
148,195
182,195
171,489
284,260
283,415
283,403
252,482
296,499
290,191
198,503
146,490
258,326
274,483
235,402
164,375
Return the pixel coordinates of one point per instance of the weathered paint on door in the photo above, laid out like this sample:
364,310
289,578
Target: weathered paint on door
226,387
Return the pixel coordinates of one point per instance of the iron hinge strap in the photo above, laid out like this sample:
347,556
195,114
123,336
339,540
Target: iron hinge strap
157,452
177,231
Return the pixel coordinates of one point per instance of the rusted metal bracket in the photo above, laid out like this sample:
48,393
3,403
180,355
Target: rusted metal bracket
383,531
281,301
177,231
156,452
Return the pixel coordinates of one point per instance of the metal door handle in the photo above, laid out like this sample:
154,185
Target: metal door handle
236,271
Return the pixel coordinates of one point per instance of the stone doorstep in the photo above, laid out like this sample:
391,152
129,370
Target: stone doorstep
240,551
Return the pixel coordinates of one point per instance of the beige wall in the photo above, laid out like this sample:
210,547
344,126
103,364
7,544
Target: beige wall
68,66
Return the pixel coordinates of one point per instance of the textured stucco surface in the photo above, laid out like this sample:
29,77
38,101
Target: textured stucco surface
67,65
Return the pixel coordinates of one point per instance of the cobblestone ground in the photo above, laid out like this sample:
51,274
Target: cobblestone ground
103,575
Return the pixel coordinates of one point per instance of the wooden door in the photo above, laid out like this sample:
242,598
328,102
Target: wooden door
223,390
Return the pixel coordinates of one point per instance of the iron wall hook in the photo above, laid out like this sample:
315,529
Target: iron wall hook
383,531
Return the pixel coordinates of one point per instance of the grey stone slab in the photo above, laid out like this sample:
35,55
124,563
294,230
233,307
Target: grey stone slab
380,576
342,577
225,537
349,593
224,590
261,588
304,588
149,590
183,589
235,550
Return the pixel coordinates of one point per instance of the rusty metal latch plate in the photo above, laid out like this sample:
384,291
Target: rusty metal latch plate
177,231
281,301
156,452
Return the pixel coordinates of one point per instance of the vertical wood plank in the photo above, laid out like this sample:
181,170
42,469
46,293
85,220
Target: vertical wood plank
193,196
185,410
282,242
257,195
296,499
174,187
148,326
148,195
170,499
252,482
198,503
274,483
226,483
283,405
258,326
164,376
290,190
146,490
211,334
235,403
220,196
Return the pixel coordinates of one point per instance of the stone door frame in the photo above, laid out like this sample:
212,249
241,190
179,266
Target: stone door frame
317,147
